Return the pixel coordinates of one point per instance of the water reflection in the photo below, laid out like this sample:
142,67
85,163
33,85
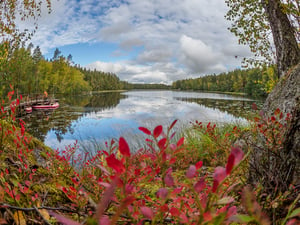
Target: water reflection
99,118
71,109
238,108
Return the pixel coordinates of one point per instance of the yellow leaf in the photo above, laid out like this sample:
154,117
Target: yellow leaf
19,218
45,214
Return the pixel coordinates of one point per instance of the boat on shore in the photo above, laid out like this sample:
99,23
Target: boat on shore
49,105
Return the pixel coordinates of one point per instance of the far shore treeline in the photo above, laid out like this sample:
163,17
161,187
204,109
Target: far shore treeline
29,73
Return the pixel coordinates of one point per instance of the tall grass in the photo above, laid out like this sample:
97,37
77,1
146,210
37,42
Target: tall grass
212,143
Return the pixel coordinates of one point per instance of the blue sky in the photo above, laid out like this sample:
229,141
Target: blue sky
145,41
85,53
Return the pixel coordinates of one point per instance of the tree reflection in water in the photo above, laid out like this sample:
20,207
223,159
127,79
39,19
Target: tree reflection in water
39,123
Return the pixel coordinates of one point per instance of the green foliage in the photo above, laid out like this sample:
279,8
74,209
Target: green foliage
211,143
254,82
149,86
30,73
251,26
13,10
100,81
250,23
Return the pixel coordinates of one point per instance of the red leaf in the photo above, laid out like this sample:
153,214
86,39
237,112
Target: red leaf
238,155
191,172
231,211
162,193
173,147
199,165
106,199
254,106
172,135
147,212
22,129
112,142
10,94
129,189
164,208
128,200
293,222
219,174
162,143
157,131
180,142
145,130
173,124
104,184
207,216
123,147
200,185
172,160
17,197
104,220
230,164
169,180
115,164
175,212
184,219
277,111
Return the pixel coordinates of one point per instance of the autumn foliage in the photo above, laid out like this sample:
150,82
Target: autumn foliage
118,185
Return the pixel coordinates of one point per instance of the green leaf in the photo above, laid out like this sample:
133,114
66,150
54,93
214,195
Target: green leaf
15,182
295,212
243,218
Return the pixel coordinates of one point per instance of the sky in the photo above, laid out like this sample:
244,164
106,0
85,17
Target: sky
142,41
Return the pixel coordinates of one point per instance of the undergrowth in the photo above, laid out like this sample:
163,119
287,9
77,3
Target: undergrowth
166,182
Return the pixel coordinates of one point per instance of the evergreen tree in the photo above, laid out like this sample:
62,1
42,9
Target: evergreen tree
56,54
37,54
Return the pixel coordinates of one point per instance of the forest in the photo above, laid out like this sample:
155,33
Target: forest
29,73
256,82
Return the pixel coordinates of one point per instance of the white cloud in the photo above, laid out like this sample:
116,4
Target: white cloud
176,38
162,54
156,73
199,57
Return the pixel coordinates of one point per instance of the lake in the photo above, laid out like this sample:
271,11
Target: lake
95,119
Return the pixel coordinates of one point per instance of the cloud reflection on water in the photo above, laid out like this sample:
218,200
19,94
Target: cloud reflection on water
142,108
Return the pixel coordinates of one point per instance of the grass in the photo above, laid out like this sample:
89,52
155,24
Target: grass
212,144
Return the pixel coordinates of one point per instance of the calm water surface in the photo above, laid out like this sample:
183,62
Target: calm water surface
95,119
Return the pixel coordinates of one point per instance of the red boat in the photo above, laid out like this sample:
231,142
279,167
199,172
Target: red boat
28,109
51,105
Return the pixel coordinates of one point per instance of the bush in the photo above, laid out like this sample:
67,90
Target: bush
156,185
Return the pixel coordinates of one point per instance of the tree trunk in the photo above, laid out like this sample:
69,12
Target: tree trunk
286,94
287,49
286,97
278,173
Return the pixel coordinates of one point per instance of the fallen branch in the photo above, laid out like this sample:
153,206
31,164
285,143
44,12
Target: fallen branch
37,208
